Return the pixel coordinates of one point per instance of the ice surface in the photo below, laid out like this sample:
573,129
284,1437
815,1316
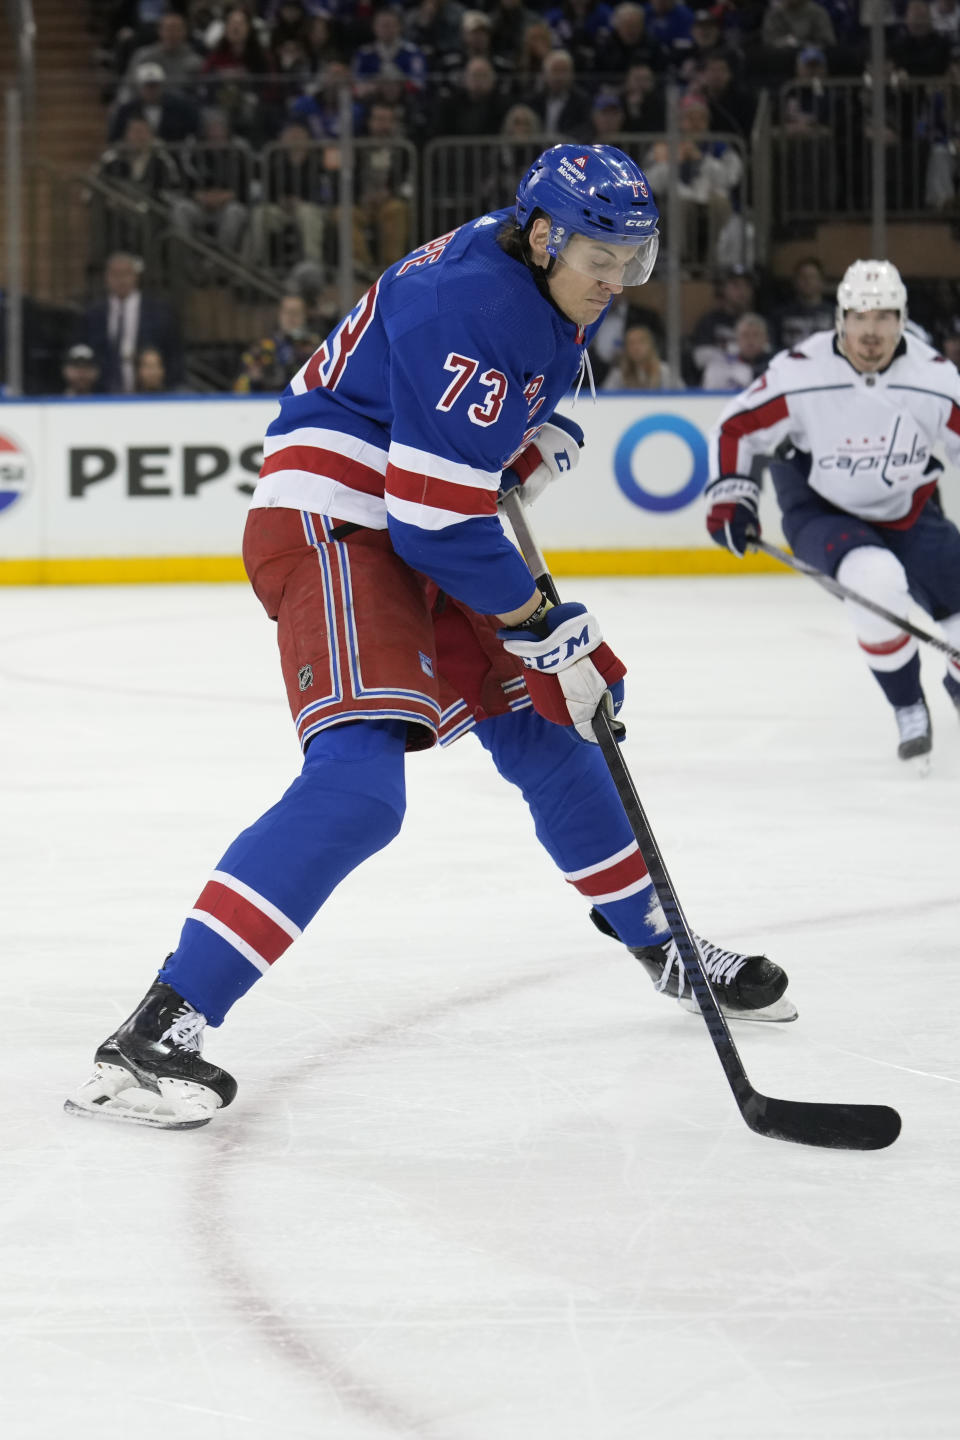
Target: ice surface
481,1182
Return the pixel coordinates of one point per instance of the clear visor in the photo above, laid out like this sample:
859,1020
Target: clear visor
614,261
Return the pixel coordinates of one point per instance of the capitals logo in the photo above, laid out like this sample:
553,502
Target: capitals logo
14,472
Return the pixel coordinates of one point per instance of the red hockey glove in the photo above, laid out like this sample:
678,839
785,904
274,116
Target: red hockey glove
568,668
555,451
732,512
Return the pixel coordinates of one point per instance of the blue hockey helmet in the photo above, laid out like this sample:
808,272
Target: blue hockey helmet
598,192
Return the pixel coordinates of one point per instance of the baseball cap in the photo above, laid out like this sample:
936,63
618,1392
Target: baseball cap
607,102
81,355
150,73
812,53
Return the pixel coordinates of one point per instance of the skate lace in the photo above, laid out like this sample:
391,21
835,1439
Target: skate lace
720,966
912,720
186,1028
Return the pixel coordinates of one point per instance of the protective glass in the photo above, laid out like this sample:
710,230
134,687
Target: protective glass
613,260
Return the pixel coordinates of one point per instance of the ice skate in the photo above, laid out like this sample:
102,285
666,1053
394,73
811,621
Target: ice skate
952,688
150,1071
746,987
916,735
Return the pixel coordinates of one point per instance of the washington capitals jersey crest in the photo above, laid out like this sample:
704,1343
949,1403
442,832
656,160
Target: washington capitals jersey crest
406,415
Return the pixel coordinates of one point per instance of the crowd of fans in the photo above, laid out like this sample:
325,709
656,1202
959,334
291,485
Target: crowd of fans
228,115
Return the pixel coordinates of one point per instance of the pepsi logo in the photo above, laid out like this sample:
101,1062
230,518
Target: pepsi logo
14,471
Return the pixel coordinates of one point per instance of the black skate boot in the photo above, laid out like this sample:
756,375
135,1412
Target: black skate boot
916,734
746,987
151,1072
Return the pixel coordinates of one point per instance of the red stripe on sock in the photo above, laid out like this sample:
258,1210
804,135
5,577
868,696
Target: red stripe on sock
242,917
613,878
887,647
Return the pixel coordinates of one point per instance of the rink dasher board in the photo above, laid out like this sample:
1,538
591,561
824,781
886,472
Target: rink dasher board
129,489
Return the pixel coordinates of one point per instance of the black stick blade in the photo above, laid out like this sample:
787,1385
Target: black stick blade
833,1127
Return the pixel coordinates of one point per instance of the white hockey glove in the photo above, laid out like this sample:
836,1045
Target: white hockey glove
568,667
555,451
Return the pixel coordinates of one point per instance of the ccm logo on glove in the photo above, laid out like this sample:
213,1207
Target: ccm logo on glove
570,669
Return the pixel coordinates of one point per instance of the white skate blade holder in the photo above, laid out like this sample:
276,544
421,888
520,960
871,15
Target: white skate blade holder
112,1093
779,1013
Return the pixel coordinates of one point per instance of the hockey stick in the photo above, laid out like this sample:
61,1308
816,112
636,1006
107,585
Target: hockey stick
837,1127
842,593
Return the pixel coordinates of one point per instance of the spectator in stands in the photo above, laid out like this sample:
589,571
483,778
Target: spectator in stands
639,366
795,23
536,45
705,40
644,105
950,346
433,26
476,43
563,106
151,378
606,118
138,170
707,176
80,371
295,190
749,357
233,67
668,27
523,142
172,51
918,49
945,18
389,56
627,43
126,321
323,40
289,21
808,311
270,364
806,110
239,52
509,19
218,172
476,105
714,331
578,27
383,193
172,117
319,109
731,107
134,24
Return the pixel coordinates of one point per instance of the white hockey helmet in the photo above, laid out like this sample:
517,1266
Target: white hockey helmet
871,285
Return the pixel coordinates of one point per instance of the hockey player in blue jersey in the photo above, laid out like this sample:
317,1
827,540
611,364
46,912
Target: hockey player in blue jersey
405,616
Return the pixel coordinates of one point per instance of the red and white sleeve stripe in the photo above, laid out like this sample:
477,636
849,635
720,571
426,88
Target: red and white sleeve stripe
433,493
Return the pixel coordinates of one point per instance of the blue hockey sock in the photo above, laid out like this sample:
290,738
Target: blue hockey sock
901,687
579,819
347,802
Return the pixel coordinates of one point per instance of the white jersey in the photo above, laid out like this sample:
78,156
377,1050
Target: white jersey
870,437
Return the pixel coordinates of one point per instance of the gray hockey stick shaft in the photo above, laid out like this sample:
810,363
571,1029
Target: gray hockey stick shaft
843,593
841,1127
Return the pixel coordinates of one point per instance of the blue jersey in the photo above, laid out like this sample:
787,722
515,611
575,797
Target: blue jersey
407,414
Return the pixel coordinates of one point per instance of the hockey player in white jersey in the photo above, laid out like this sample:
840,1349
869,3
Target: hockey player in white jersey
852,417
